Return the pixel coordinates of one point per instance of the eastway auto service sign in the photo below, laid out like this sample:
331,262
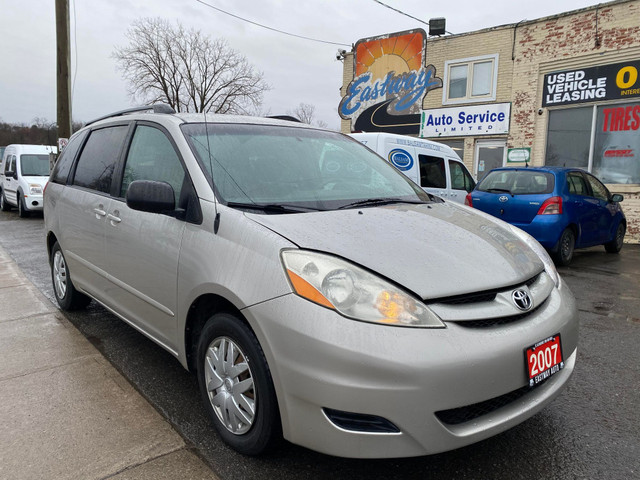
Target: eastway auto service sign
606,82
488,119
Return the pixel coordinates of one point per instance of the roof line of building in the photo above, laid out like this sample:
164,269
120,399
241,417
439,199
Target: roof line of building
523,22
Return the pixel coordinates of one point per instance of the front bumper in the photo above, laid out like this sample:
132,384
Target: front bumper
33,203
319,359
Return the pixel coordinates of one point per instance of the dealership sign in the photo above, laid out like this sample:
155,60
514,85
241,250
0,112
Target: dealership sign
606,82
389,84
489,119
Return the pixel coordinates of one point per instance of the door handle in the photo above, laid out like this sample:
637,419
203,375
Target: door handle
113,219
99,212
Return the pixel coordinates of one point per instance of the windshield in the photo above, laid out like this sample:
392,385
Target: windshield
295,167
34,165
517,182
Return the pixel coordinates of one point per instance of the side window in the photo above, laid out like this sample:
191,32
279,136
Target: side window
99,157
432,173
8,164
598,189
577,185
61,169
152,157
460,178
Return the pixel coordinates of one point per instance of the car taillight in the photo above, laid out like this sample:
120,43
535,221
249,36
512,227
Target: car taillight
468,200
551,206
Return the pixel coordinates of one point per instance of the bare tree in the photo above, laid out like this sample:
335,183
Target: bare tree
187,69
305,112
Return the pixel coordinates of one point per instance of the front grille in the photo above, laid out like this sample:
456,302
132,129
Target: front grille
456,416
476,297
492,322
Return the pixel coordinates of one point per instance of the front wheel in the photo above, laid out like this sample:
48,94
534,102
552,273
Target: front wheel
66,294
566,246
236,386
615,245
4,206
22,211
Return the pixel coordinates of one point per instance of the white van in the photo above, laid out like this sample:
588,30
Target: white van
24,172
434,166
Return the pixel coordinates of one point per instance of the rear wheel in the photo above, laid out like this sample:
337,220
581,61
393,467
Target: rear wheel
615,245
566,246
66,295
236,386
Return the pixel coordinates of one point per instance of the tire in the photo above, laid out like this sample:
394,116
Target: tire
615,245
4,206
247,419
566,246
66,295
22,211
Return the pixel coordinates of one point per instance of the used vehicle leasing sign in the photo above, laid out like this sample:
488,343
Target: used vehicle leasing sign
605,82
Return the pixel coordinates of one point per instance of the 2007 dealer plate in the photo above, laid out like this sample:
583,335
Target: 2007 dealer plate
544,359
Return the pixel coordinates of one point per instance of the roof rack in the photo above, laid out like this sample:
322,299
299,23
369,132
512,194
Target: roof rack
289,118
157,108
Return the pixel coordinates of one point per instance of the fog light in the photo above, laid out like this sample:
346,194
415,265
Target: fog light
360,422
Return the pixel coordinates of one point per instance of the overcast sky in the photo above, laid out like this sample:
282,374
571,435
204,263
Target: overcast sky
298,70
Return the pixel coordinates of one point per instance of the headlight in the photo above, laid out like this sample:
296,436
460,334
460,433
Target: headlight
35,189
354,292
539,250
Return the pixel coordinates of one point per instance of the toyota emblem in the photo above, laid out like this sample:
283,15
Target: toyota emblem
503,198
522,300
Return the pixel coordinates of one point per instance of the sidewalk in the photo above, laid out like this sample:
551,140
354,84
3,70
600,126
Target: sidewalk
65,412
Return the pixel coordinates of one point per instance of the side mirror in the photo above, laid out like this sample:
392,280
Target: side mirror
10,173
151,196
616,198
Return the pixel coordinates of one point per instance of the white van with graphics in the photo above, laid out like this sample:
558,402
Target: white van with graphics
24,172
434,166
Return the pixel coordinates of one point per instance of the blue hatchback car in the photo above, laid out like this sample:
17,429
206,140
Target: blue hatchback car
562,208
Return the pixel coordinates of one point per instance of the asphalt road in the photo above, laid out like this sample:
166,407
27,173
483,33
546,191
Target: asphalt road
592,431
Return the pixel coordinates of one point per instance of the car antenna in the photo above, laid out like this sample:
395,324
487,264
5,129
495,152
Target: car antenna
216,221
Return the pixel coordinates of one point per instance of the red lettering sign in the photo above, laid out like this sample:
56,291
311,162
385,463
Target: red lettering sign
621,118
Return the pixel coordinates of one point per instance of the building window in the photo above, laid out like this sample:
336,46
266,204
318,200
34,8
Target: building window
569,137
470,80
602,139
456,145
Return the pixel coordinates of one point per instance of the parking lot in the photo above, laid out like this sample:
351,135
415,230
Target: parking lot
591,431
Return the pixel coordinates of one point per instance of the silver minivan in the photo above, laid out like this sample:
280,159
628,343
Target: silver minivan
318,294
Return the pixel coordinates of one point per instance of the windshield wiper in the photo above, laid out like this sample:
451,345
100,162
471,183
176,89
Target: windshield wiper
378,201
499,190
273,207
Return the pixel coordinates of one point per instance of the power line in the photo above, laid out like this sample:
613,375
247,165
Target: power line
271,28
399,11
405,14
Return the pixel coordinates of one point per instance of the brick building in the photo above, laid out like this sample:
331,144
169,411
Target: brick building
560,90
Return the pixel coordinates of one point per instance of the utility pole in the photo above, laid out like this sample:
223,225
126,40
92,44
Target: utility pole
63,79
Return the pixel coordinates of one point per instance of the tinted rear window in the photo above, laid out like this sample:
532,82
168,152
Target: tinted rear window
62,167
518,182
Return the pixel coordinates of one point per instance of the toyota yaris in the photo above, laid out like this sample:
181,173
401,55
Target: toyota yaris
318,294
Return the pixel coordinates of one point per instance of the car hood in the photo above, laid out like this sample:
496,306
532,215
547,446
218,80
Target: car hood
36,179
434,250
